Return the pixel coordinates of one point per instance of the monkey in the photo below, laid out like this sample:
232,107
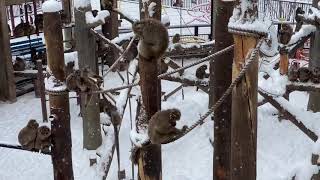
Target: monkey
161,127
23,29
176,38
304,74
315,75
285,33
27,135
293,74
153,37
298,19
107,4
69,68
38,22
201,72
43,140
19,64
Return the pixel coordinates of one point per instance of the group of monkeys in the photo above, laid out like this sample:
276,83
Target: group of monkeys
33,137
26,28
303,74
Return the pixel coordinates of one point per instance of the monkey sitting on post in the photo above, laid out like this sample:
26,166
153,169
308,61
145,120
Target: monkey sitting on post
28,134
201,72
285,33
154,38
162,126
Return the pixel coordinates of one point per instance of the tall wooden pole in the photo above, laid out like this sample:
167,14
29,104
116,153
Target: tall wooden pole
149,164
86,47
7,81
59,100
111,28
67,32
220,79
244,107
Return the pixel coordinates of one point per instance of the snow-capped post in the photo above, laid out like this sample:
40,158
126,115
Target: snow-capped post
220,79
149,163
58,94
86,47
7,82
246,29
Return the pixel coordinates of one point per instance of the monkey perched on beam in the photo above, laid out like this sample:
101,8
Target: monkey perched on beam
285,33
154,38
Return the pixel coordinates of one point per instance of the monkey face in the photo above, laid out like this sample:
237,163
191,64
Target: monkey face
44,131
137,28
175,115
33,124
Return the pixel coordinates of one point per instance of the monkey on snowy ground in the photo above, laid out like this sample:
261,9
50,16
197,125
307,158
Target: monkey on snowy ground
19,64
154,38
28,134
201,72
43,140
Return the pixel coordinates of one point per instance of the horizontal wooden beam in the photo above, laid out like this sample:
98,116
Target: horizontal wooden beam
17,2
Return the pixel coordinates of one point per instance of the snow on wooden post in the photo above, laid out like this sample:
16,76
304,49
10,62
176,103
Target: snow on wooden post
220,79
149,163
246,28
58,95
7,81
86,47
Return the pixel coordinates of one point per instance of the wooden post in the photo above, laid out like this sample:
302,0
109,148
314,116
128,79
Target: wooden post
67,32
12,18
7,80
86,47
111,28
220,79
59,102
244,107
284,63
149,163
41,87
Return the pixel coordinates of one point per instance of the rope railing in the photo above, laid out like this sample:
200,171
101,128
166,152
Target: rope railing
213,108
229,48
115,89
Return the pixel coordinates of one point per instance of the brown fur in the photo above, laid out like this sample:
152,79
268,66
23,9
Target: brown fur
153,36
19,64
28,134
285,33
201,72
43,140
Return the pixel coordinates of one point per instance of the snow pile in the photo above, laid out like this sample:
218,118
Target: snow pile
303,32
138,139
270,47
304,170
51,6
122,37
54,85
101,16
81,3
253,24
151,8
316,147
165,20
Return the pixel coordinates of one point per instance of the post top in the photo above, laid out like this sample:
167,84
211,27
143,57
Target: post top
51,6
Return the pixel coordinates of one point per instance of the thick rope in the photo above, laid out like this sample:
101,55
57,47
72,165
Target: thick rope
229,48
106,40
115,89
242,73
121,57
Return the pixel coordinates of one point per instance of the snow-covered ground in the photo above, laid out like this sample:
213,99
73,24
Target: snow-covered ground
282,149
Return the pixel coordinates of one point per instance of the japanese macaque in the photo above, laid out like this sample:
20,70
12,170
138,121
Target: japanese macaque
176,38
298,19
19,64
162,126
38,22
23,29
315,75
293,73
304,74
285,33
27,135
153,37
201,72
107,4
43,140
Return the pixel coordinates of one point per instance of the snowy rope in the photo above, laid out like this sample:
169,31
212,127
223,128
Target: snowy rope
227,49
213,108
115,89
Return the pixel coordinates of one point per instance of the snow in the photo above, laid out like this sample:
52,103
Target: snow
101,16
52,84
151,8
303,32
51,6
138,139
81,3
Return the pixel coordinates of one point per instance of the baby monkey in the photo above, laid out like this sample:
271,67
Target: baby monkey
162,126
154,38
28,134
43,140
